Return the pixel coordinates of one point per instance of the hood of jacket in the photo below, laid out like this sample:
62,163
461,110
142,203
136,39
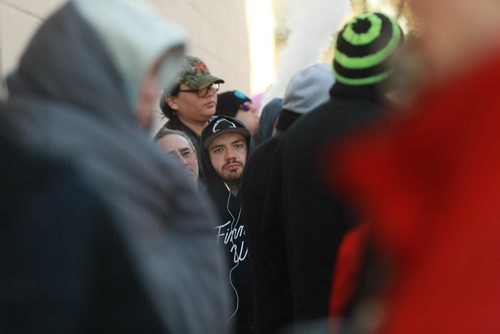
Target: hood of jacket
99,56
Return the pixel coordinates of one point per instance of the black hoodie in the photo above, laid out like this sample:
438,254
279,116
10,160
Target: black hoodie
304,222
230,233
272,293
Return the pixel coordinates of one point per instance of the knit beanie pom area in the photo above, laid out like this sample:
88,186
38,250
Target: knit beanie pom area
365,48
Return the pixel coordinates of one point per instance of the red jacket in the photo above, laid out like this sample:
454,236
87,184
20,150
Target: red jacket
346,270
431,187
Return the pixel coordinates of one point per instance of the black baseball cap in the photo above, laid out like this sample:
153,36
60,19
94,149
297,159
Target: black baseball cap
222,124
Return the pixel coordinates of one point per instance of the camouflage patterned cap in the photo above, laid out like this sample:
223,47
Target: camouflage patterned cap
196,74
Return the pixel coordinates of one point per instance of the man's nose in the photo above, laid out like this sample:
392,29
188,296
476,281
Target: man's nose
230,154
183,160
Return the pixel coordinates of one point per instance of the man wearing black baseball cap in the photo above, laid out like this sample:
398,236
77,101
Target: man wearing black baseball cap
226,143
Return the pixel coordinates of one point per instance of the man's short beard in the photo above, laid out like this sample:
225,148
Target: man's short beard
235,179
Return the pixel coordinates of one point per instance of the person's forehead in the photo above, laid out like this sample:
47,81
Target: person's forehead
174,142
227,138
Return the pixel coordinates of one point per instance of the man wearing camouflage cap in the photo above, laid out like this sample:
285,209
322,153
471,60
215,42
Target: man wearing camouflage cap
192,102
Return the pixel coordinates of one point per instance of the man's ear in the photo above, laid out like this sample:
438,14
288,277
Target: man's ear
172,102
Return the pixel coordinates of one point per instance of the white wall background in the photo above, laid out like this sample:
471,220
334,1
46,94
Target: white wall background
219,33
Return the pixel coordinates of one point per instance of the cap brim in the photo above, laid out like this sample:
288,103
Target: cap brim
211,138
207,81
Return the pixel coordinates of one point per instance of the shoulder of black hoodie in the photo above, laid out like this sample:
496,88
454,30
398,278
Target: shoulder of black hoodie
314,217
254,185
273,295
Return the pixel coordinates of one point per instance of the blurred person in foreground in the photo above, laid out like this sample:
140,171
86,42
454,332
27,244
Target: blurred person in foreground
226,148
59,252
84,92
192,102
179,146
312,218
308,89
430,183
237,105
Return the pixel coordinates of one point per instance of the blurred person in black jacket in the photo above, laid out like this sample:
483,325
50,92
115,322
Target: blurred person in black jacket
308,221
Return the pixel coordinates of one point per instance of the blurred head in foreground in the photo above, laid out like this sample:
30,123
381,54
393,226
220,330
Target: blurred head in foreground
454,34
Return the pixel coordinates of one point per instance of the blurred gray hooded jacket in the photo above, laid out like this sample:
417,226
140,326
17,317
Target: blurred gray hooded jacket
73,97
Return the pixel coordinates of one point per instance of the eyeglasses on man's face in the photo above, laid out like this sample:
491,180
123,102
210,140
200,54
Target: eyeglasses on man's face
203,92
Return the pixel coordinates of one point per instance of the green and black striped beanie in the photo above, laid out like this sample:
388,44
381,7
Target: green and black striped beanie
364,49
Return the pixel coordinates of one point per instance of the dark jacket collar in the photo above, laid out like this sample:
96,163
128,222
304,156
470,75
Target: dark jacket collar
371,93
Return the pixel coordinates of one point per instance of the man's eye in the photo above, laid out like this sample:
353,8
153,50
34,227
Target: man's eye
202,92
186,154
